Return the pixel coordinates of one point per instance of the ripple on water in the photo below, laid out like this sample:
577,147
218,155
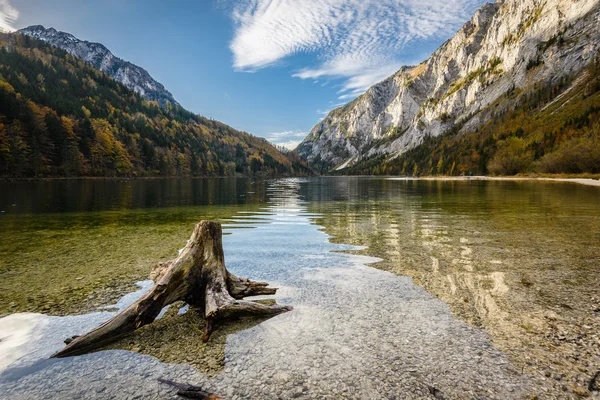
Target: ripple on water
355,332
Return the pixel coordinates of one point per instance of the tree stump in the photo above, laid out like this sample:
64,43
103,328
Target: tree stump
198,277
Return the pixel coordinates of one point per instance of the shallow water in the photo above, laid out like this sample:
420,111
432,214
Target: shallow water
519,259
71,246
355,332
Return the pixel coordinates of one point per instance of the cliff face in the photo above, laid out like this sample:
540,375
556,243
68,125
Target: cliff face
130,75
507,45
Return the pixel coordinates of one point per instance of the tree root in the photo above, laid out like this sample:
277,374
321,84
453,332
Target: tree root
593,383
189,391
198,277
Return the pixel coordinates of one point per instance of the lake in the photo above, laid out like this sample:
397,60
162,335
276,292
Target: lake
400,288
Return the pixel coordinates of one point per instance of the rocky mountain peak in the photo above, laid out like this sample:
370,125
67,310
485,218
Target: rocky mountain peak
506,45
97,55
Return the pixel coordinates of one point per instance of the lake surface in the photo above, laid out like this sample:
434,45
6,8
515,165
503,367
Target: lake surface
504,302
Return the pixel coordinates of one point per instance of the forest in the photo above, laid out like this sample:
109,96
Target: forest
552,128
60,117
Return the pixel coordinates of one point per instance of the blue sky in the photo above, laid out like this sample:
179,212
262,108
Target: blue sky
269,67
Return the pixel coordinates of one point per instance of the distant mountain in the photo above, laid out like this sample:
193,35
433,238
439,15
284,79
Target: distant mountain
61,117
130,75
513,57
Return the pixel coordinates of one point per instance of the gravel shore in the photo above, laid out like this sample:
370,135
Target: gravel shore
582,181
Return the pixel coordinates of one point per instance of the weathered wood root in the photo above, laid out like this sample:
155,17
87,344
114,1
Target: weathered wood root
210,324
241,287
197,276
593,383
189,391
191,394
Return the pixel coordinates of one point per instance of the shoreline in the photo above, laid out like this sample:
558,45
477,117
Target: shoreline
137,178
581,181
558,178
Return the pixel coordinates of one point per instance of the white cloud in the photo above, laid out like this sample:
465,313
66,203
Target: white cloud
291,145
363,41
359,74
287,139
8,16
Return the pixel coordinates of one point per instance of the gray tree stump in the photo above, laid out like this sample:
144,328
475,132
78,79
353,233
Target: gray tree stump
198,277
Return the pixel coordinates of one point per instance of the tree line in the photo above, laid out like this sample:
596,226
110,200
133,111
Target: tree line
534,130
60,117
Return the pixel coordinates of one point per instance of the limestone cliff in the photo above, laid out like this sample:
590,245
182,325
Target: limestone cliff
507,45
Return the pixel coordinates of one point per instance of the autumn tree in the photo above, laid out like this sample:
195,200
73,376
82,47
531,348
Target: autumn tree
62,117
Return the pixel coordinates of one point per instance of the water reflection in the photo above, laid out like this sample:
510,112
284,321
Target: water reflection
355,332
517,258
64,263
101,194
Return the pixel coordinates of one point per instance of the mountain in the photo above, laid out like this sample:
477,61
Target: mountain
512,55
61,117
130,75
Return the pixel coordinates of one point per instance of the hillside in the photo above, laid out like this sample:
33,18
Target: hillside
98,56
499,71
549,129
60,117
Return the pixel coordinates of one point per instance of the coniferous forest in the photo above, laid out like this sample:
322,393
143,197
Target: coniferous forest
60,117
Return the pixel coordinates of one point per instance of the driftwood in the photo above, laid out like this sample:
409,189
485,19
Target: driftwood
593,384
189,391
197,276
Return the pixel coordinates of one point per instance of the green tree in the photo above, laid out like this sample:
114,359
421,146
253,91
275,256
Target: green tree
513,156
440,166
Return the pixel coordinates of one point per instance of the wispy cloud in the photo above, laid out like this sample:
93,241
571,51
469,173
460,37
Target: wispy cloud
287,139
363,41
8,16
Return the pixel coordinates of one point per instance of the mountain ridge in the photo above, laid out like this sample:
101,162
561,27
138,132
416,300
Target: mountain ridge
99,56
506,45
61,117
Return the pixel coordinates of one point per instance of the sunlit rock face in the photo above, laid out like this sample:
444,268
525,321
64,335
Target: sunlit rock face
130,75
507,45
